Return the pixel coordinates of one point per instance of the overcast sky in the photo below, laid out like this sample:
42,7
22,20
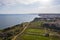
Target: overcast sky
29,6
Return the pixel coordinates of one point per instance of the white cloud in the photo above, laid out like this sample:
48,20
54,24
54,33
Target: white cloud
53,9
45,9
12,2
26,1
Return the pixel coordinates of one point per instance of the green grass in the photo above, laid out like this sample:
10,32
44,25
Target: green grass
35,24
33,37
27,36
38,31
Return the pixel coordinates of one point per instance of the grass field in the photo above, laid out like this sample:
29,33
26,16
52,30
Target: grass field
35,34
36,31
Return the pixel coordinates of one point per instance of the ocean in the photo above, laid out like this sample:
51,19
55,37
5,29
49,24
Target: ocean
8,20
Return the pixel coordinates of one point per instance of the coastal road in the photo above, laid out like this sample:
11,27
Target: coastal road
20,32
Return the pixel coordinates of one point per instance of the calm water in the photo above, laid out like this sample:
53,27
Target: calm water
8,20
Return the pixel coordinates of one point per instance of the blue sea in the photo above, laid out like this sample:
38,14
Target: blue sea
8,20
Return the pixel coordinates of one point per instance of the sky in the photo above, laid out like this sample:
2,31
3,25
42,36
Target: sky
29,6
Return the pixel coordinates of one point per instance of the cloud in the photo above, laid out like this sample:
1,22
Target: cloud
13,2
56,2
28,6
25,2
7,2
52,9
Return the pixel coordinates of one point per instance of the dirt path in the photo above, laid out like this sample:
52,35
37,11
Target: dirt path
20,32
